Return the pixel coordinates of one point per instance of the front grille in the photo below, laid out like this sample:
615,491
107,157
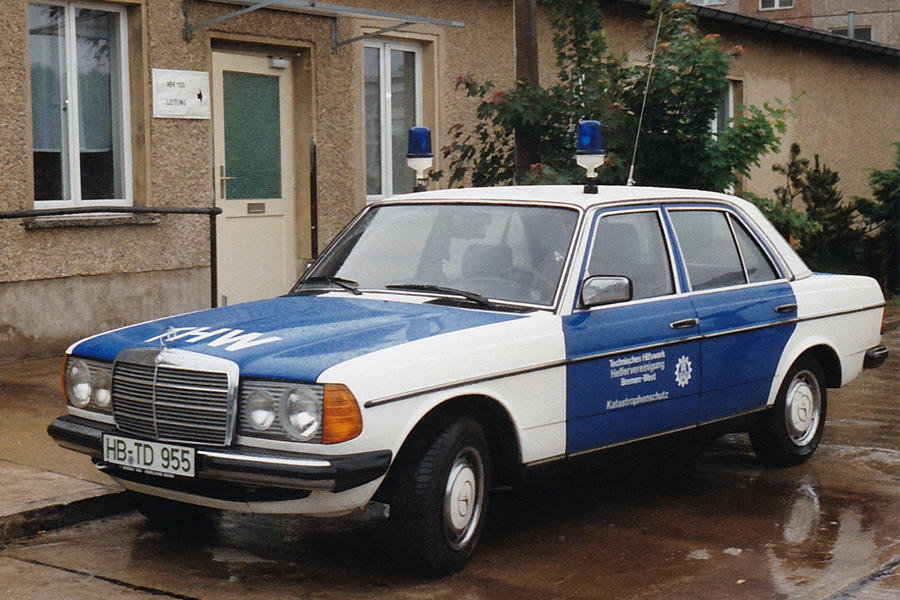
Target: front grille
156,399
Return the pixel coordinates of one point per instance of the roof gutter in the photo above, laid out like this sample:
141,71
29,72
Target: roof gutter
786,29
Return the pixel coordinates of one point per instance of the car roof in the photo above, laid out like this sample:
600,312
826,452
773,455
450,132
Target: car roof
574,195
568,194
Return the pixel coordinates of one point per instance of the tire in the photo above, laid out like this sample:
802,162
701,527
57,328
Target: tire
441,501
790,433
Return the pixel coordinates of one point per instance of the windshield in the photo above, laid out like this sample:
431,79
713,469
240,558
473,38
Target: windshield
503,252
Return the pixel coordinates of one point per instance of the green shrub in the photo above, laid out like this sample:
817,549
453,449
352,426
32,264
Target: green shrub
677,146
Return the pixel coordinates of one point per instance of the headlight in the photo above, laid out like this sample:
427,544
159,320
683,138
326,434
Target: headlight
78,382
87,384
301,416
299,412
101,388
260,410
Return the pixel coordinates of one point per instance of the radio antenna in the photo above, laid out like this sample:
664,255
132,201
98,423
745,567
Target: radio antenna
637,136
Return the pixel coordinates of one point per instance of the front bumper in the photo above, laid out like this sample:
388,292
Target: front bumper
242,465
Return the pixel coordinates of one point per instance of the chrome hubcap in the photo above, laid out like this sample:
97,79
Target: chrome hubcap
463,498
803,405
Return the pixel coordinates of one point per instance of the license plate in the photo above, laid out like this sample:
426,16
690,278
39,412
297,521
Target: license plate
155,458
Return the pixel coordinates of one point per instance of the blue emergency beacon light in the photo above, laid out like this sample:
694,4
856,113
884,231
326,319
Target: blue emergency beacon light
418,155
589,152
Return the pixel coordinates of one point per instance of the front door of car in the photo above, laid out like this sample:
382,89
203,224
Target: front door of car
747,310
633,367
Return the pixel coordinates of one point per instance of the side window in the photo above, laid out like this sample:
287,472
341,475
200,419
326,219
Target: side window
758,266
632,245
708,248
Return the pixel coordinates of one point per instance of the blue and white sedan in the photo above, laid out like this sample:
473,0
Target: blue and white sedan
447,341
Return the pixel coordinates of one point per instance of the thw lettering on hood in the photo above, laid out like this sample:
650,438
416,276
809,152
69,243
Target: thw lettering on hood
232,339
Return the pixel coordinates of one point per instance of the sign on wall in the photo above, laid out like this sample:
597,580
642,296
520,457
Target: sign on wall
181,94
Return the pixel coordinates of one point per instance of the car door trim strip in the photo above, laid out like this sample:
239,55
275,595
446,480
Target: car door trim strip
561,363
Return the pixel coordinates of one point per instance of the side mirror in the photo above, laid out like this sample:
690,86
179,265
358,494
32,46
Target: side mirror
604,289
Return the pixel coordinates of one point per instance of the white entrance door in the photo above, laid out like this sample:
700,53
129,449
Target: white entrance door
254,176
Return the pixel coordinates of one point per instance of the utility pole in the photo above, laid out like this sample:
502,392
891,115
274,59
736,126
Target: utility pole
527,74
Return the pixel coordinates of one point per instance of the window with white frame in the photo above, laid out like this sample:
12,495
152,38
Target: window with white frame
724,110
79,104
724,118
393,102
775,4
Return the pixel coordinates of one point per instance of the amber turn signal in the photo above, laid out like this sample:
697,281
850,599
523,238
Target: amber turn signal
341,419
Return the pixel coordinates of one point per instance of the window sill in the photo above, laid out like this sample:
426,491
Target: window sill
33,224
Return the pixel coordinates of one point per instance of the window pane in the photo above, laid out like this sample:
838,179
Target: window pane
373,120
252,135
403,116
48,97
758,266
632,245
708,249
99,104
723,111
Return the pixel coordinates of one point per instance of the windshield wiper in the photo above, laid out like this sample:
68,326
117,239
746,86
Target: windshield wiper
427,287
347,284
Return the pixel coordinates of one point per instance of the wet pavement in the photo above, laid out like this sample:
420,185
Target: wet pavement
697,522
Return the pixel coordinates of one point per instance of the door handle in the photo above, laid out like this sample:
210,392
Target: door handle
223,182
786,308
684,324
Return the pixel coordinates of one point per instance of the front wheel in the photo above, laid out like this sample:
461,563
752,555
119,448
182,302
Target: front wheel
790,433
442,499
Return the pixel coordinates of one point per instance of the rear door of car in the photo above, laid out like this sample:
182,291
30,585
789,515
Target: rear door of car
633,367
745,306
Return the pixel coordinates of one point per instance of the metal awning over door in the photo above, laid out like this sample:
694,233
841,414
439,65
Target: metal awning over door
324,9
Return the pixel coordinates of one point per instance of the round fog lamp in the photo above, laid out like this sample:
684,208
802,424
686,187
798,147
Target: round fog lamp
101,393
301,414
78,383
260,410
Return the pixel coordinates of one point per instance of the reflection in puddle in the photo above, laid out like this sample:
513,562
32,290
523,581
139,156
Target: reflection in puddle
803,515
820,542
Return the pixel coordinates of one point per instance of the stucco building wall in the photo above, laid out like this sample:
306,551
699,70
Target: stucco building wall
68,279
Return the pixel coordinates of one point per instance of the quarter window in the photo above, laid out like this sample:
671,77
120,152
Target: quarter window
755,262
632,245
393,104
708,248
79,104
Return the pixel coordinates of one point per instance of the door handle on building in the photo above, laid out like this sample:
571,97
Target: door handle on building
223,182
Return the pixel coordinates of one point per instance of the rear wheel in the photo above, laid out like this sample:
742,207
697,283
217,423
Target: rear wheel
442,498
790,433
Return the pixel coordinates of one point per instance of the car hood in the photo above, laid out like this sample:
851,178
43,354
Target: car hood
293,337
